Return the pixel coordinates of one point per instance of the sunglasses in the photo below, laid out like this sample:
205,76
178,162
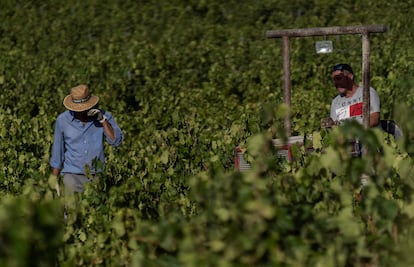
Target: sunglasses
342,67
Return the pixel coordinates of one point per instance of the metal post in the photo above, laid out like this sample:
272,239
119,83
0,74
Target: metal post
286,82
366,79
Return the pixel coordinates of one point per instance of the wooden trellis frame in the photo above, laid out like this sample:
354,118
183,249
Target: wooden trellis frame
325,31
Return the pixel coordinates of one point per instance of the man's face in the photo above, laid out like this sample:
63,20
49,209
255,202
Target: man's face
343,81
82,115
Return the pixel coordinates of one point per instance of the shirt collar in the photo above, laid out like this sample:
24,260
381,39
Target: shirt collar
72,113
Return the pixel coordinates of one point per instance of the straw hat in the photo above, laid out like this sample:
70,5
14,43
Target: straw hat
80,99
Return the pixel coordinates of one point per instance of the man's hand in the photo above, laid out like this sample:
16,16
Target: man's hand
327,123
55,173
97,115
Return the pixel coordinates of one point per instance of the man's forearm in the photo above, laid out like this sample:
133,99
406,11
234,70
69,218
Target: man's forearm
374,119
109,130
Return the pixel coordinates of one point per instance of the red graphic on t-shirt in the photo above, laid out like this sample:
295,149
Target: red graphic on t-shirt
355,110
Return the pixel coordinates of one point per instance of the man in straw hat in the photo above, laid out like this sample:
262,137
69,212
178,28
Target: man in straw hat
79,138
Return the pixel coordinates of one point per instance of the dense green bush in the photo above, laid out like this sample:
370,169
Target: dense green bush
188,81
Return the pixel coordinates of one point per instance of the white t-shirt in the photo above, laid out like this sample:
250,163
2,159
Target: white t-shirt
343,108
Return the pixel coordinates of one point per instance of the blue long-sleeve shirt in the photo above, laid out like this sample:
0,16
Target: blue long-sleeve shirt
77,145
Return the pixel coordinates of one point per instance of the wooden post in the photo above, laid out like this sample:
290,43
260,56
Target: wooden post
286,82
326,31
366,79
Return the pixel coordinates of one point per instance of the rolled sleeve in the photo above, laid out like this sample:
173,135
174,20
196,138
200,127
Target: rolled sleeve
56,160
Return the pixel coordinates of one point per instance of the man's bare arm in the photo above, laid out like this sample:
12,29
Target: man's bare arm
374,119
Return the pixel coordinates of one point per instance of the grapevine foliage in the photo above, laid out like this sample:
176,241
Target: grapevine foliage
188,81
